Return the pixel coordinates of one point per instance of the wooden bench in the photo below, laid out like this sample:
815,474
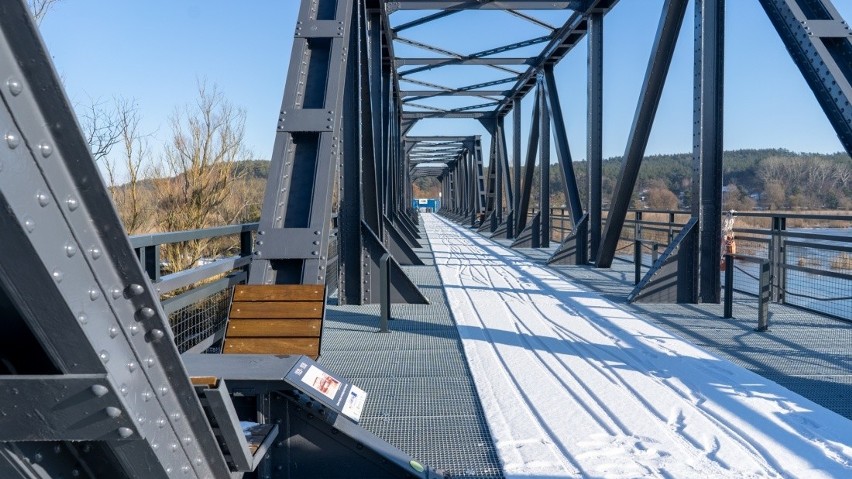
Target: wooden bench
276,319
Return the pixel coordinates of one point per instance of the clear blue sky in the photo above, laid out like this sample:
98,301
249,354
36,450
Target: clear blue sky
154,52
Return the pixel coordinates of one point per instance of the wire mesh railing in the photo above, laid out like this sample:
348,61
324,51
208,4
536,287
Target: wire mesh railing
810,254
196,299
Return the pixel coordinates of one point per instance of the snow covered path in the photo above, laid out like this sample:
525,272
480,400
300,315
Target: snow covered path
573,386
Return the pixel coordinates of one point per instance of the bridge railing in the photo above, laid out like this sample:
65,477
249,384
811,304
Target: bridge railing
197,299
810,254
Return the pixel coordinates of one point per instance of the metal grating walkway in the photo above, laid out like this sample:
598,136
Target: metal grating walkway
421,395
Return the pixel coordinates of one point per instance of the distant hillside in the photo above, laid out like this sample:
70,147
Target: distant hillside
767,178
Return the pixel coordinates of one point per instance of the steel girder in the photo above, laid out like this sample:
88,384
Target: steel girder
811,29
86,343
594,130
340,106
649,98
708,149
820,43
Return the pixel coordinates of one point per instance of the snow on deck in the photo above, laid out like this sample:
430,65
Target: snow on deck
574,386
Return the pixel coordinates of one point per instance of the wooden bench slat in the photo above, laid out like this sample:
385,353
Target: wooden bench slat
259,328
305,346
277,292
208,381
277,310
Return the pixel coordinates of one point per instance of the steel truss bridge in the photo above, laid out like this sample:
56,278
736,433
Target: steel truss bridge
91,381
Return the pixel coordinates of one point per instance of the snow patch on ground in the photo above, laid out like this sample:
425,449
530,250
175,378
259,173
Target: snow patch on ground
573,386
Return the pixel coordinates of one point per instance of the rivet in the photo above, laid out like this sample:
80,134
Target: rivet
161,422
15,87
12,140
87,448
314,253
104,355
57,275
95,252
29,225
134,330
43,199
136,289
94,294
147,312
113,332
163,390
124,389
198,461
316,242
157,334
116,293
155,446
147,396
185,469
125,432
37,457
75,473
113,411
187,440
46,150
131,366
99,390
168,470
70,249
316,233
175,416
173,446
82,318
149,362
72,203
57,449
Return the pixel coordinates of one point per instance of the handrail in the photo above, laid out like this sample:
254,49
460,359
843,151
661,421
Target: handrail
170,237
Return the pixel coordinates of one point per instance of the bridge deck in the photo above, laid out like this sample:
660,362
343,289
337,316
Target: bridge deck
425,400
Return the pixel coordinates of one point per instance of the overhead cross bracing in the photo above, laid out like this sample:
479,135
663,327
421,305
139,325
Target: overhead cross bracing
435,84
88,360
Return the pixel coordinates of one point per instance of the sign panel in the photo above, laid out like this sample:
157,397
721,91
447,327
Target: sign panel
335,393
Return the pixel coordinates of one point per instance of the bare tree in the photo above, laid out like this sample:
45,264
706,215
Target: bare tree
39,8
126,172
102,126
197,171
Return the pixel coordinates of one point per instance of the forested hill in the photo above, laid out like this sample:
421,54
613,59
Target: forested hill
769,178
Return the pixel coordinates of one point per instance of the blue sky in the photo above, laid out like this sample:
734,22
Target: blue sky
155,51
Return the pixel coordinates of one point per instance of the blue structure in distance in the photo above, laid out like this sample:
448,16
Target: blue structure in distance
426,205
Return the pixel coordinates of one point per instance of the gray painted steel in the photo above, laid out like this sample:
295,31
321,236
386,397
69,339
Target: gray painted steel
71,283
646,110
708,148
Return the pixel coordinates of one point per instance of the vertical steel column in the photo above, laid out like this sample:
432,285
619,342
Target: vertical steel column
504,167
544,153
378,107
498,168
477,182
594,128
707,145
516,164
649,99
293,236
